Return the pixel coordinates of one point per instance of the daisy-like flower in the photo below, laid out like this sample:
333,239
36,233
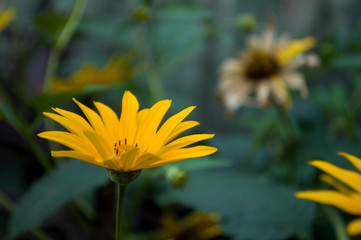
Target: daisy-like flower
268,68
347,195
129,143
116,70
6,17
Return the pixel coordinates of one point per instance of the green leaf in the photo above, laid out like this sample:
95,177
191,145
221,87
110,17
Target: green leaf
251,207
51,24
50,192
9,116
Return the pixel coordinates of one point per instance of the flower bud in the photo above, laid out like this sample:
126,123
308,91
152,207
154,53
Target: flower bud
247,22
176,176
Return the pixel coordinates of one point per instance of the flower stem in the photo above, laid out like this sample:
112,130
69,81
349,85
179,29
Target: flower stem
289,124
119,211
63,40
336,222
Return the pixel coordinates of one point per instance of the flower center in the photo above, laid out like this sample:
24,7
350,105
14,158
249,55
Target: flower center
121,147
260,65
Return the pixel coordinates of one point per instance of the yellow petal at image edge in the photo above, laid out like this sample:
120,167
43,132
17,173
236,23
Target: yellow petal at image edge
354,227
348,177
348,203
354,160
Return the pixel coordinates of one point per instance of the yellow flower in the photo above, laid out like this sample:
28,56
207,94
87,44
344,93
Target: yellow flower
197,225
115,71
135,141
346,198
6,17
266,67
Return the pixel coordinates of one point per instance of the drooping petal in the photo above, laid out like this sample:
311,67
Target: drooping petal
347,203
280,92
168,127
181,127
128,119
296,81
110,120
353,228
263,93
350,178
352,159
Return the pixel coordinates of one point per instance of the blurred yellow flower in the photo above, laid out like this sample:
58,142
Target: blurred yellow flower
266,67
135,141
197,225
6,17
116,70
347,197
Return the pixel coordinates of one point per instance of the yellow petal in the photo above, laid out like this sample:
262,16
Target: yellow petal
128,159
105,151
183,142
334,183
95,121
81,122
77,155
66,123
128,119
348,203
295,48
145,160
182,127
110,120
353,228
7,17
168,127
354,160
350,178
68,139
184,153
113,163
149,125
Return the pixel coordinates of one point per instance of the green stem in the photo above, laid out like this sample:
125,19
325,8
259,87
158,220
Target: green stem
336,222
288,123
63,40
9,205
119,211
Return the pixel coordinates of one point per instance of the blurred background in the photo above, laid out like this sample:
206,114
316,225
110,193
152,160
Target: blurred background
51,51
